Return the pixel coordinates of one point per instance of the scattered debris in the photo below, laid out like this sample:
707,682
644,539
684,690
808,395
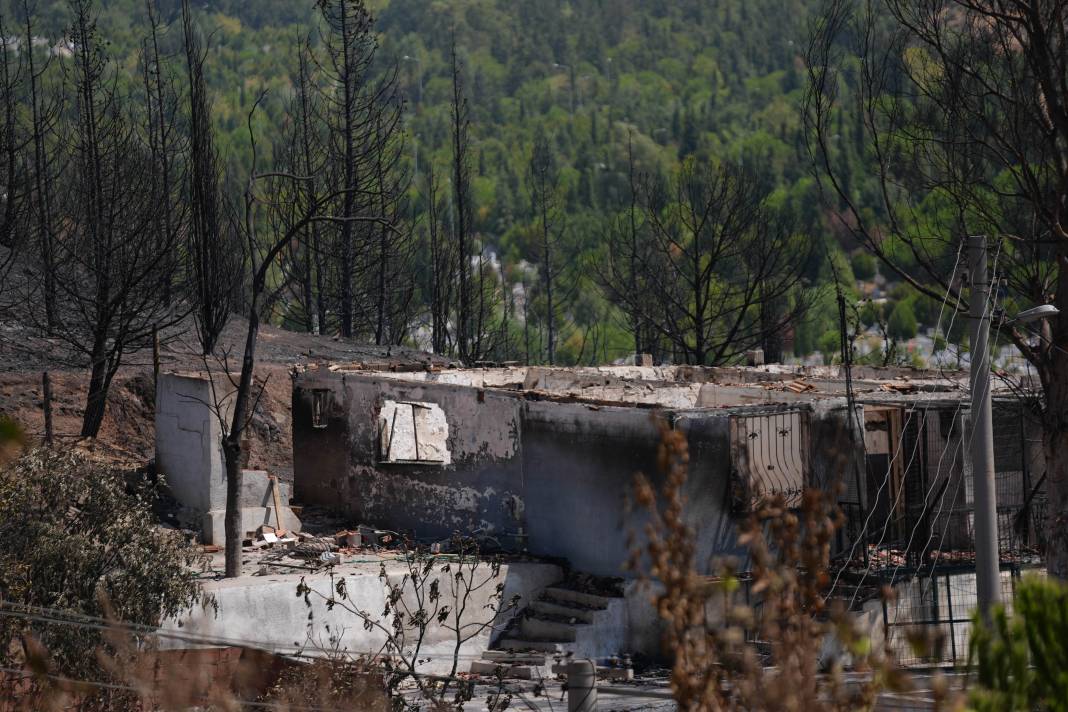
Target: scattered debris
314,547
799,386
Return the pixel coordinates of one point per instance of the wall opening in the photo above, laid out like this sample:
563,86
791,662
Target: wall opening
413,433
320,407
768,457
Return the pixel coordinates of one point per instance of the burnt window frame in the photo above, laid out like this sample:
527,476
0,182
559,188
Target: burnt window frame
320,405
384,454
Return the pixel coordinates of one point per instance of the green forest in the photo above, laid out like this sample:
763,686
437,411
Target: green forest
599,95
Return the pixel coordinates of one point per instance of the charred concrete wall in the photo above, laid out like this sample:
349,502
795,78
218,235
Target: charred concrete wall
337,463
548,475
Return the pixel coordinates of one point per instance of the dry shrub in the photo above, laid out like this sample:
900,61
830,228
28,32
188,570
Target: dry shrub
773,649
136,677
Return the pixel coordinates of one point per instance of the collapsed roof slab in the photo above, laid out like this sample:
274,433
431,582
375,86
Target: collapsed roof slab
683,387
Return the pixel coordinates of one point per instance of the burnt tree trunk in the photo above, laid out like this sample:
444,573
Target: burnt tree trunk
1055,430
1056,447
233,450
96,400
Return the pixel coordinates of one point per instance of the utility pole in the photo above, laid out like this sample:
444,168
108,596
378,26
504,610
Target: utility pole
987,560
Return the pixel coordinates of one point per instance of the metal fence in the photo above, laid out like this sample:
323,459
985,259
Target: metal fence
917,497
929,621
769,457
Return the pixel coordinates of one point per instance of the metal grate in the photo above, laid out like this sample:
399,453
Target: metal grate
768,457
930,619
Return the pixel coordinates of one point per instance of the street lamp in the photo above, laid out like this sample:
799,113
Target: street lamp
1046,311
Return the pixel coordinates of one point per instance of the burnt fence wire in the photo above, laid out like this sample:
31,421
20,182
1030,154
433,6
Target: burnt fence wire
929,621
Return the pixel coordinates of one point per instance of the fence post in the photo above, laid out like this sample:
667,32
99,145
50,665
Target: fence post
155,357
581,686
949,612
46,387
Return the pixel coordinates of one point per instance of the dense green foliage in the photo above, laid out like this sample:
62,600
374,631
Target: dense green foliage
75,540
717,81
1022,660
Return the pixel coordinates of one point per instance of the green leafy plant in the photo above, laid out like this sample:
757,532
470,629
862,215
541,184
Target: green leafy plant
1021,660
12,439
78,539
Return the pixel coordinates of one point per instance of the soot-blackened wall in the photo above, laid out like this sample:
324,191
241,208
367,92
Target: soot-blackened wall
552,476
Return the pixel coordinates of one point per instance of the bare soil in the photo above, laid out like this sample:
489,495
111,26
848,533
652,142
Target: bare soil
127,435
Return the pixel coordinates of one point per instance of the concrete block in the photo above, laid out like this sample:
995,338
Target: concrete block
510,657
189,440
616,674
213,530
548,646
491,669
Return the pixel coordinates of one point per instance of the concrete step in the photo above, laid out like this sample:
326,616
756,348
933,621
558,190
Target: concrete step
516,672
567,595
513,657
545,629
548,646
556,609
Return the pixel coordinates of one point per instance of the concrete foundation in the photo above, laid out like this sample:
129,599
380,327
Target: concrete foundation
267,613
190,458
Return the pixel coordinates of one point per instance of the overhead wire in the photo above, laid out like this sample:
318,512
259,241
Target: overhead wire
987,310
861,536
959,448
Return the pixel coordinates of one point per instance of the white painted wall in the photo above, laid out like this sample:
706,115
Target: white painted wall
189,455
266,612
189,441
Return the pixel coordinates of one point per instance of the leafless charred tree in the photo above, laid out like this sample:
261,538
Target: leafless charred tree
302,150
213,251
14,181
461,178
361,113
629,250
390,287
963,105
475,295
544,196
44,109
443,264
109,279
268,230
165,144
348,104
715,251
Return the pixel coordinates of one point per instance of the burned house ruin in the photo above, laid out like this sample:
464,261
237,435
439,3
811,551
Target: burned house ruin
541,459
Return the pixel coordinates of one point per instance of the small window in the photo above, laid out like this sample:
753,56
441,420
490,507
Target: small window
320,406
768,457
413,433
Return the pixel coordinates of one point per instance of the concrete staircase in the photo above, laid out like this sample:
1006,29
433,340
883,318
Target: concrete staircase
569,621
